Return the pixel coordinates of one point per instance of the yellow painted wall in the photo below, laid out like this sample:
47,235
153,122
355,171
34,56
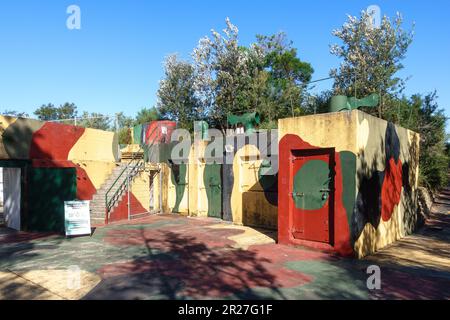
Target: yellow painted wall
337,129
95,145
198,200
5,122
98,171
162,187
141,189
248,203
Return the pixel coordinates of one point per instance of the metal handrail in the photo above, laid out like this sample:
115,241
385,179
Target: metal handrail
109,204
127,168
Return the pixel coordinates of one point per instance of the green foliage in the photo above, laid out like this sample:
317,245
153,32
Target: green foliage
123,121
318,103
14,113
176,94
49,112
125,136
371,57
146,115
286,75
423,115
267,77
95,120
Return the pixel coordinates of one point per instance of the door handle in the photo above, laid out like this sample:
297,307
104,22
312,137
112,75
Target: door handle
297,194
324,190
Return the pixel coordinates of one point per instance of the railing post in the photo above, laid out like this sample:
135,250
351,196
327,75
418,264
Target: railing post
106,209
128,196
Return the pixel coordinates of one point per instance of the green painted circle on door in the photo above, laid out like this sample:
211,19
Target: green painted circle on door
311,185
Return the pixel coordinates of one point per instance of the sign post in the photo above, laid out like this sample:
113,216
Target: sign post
77,219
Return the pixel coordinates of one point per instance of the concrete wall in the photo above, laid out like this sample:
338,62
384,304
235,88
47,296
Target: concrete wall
237,191
60,162
91,152
198,198
251,200
23,139
376,171
387,177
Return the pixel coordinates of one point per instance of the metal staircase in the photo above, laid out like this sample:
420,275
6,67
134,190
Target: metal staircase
97,205
121,184
114,189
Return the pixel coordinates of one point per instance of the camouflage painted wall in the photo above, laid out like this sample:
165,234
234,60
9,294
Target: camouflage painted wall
76,162
250,191
238,190
373,172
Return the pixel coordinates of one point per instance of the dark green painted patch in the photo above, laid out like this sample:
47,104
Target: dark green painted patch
213,185
137,134
14,163
348,167
309,181
331,280
268,181
48,188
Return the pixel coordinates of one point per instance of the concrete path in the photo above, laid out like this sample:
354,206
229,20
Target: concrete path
424,256
174,257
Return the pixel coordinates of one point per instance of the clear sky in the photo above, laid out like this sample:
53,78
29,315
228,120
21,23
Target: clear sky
114,62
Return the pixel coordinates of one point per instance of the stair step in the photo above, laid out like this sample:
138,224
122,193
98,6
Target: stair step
118,178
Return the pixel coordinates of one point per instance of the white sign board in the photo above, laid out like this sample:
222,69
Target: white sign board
77,219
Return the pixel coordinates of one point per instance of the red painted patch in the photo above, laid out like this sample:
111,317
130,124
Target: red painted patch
121,211
21,236
154,131
54,141
391,189
85,187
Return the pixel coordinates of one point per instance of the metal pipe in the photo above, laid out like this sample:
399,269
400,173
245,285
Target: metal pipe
128,190
160,188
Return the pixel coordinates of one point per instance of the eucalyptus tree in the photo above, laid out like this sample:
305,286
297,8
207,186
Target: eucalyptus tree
371,57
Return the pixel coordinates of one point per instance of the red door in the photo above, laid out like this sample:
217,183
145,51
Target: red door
311,194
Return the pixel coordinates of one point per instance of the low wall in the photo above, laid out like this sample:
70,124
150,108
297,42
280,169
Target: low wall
59,162
375,182
237,191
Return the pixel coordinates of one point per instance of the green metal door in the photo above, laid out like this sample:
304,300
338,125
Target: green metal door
213,184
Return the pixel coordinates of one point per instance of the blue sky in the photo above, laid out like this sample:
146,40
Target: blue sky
114,62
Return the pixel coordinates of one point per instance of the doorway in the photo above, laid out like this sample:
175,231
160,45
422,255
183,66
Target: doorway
12,197
312,194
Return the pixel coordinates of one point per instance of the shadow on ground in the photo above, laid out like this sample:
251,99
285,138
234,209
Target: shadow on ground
182,267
